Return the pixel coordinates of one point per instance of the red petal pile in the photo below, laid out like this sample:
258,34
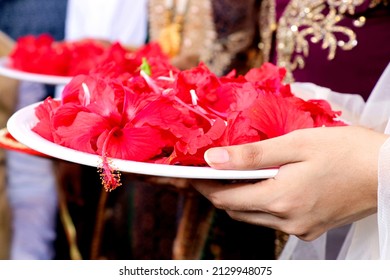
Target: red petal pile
43,55
159,114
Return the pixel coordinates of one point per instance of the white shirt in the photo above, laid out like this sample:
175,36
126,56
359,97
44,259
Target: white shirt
125,21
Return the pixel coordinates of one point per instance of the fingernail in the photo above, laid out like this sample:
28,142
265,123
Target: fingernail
217,155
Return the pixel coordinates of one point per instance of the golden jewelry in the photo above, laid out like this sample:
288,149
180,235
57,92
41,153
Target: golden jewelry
170,37
305,21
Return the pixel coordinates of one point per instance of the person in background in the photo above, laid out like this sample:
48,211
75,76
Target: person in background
339,49
30,180
328,177
8,93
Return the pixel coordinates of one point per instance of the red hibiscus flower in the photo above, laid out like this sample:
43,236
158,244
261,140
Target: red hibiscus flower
45,113
155,113
41,55
85,55
273,115
321,112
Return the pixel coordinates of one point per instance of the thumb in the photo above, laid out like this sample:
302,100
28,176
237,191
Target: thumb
268,153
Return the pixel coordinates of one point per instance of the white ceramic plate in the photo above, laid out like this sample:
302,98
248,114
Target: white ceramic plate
20,124
10,72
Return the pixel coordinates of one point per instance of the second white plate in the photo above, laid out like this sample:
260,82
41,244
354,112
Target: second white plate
10,72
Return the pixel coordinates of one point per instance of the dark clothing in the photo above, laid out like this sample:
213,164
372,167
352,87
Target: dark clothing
356,70
22,17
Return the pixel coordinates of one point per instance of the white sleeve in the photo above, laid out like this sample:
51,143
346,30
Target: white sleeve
384,199
378,111
368,238
114,20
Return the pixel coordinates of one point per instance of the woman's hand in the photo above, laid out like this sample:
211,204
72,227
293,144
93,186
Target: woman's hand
327,178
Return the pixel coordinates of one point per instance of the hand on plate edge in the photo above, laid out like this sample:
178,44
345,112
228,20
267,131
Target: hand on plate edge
327,178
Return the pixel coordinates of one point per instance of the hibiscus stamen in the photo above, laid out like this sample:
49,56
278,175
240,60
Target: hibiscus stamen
168,79
194,97
150,82
110,177
166,91
87,94
219,114
196,111
125,102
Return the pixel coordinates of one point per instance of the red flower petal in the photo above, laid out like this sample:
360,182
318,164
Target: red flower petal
274,116
84,131
239,131
132,143
200,139
85,55
40,54
44,113
321,112
267,72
